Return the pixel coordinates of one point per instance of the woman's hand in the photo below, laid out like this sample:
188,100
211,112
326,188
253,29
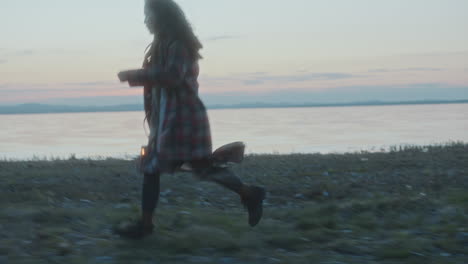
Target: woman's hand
133,77
124,75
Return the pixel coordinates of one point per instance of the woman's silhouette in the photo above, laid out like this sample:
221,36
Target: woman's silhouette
178,121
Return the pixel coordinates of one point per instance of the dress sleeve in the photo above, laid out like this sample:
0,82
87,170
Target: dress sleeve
172,74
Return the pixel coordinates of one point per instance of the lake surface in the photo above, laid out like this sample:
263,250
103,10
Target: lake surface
274,130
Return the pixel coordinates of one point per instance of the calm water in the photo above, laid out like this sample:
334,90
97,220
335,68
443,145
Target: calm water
278,130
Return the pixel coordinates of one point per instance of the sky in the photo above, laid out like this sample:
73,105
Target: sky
295,51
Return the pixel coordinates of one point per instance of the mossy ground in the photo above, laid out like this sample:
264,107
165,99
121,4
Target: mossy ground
409,205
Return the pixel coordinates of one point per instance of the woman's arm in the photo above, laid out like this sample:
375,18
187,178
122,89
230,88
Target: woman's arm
172,75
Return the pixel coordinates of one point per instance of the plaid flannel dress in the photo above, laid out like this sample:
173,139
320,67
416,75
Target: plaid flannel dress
178,121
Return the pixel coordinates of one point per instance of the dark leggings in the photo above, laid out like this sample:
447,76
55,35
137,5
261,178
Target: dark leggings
202,169
151,190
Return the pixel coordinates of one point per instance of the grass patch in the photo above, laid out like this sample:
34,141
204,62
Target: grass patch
366,220
457,197
290,240
404,206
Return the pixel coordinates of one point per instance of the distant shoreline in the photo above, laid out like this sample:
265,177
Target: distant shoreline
33,108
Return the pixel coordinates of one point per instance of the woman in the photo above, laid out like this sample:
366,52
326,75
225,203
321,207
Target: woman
178,121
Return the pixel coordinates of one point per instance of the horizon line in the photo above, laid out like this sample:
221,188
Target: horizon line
57,108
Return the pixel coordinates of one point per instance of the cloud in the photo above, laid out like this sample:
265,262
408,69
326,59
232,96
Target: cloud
25,52
96,83
32,89
253,82
222,37
8,54
420,69
41,88
313,76
40,92
258,78
437,54
97,100
343,94
18,52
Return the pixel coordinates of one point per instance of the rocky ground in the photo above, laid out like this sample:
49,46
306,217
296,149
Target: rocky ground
409,205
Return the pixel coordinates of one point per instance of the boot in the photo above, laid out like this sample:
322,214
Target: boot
133,230
252,199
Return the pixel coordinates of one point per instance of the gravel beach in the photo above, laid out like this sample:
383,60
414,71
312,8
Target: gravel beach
407,205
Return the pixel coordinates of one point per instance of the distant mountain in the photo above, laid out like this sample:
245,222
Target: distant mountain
366,103
43,108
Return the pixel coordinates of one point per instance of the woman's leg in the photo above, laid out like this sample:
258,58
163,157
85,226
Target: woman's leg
149,200
251,196
204,170
150,197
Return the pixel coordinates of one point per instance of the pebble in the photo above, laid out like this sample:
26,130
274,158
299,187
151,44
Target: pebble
443,254
64,248
166,192
84,243
103,258
85,201
199,259
204,203
299,196
325,193
462,237
326,174
227,260
125,199
122,205
68,205
281,250
417,254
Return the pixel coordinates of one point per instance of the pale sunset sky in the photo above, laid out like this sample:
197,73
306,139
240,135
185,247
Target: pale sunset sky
301,51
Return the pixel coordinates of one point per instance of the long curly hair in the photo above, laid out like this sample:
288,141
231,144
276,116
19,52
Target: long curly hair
170,23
